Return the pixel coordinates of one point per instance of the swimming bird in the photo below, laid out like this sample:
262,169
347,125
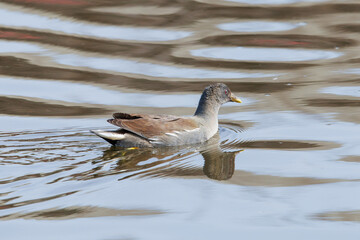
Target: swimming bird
147,130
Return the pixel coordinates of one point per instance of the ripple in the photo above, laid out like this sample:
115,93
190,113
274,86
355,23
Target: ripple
355,159
74,212
264,54
351,27
57,23
259,26
19,47
137,10
232,136
51,148
332,103
274,2
245,178
233,142
22,107
56,2
126,66
345,216
353,91
150,69
355,71
20,67
69,92
16,123
275,40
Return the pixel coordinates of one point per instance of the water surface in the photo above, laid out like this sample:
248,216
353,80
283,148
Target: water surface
284,165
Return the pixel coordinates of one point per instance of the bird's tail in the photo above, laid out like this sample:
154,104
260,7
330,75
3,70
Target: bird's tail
110,136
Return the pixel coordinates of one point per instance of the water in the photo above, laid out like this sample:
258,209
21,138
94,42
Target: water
285,164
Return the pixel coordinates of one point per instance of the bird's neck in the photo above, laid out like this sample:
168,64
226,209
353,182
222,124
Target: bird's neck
207,111
207,108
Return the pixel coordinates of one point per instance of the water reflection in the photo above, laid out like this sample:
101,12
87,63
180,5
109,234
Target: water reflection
65,65
353,91
69,92
24,107
150,69
19,47
355,71
218,164
218,155
347,216
264,54
57,23
275,2
75,212
287,41
259,26
119,65
137,10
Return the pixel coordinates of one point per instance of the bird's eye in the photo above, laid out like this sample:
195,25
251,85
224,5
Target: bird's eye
226,91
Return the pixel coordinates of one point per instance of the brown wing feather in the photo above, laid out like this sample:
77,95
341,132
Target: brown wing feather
126,116
149,126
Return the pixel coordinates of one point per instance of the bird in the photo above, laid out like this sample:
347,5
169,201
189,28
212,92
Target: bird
152,131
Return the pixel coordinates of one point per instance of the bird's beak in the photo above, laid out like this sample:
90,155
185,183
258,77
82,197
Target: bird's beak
234,99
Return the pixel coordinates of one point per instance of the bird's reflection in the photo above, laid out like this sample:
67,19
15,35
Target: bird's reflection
218,164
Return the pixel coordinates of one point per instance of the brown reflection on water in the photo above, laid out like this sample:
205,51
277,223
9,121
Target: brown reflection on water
347,28
333,103
245,178
286,41
355,159
347,216
22,68
343,106
75,212
288,145
89,45
242,64
190,11
22,107
33,201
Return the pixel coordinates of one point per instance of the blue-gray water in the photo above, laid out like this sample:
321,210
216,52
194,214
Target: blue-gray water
285,164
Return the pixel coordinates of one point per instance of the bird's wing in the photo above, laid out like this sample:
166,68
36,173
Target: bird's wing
157,128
